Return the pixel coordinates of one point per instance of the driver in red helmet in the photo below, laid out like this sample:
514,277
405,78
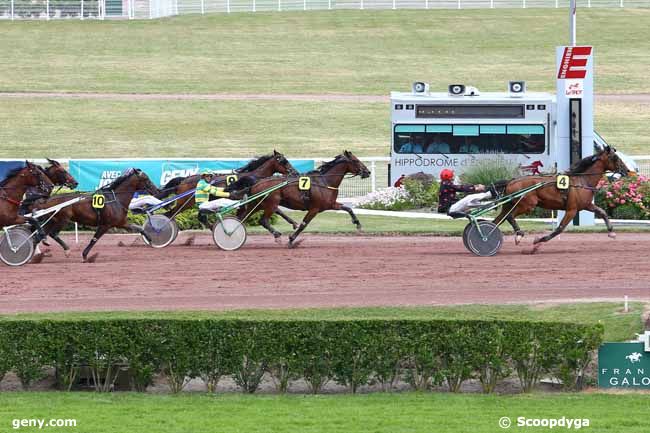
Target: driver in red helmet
447,202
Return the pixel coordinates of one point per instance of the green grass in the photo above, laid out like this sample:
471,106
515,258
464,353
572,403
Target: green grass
183,128
389,413
618,326
361,52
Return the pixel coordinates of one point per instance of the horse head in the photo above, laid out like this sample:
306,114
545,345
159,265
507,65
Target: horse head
612,162
59,175
35,176
355,166
144,183
282,165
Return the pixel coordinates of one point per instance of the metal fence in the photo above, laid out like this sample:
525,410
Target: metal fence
145,9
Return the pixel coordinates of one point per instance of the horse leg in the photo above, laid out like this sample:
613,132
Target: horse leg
101,231
134,228
310,216
599,212
355,220
507,213
288,219
264,222
568,216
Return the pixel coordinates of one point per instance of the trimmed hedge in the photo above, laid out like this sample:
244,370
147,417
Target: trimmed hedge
352,352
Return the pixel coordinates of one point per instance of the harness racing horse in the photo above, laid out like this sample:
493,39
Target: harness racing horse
321,196
112,213
13,188
263,166
583,178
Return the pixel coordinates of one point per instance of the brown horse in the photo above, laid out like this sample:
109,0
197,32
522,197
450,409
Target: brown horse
263,166
113,212
583,178
320,197
13,188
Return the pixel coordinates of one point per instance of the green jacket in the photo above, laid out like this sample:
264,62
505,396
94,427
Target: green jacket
204,190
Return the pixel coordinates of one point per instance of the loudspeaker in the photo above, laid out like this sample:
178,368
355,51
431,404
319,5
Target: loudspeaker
457,89
420,87
517,88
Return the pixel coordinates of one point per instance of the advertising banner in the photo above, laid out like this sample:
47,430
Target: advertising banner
93,174
623,365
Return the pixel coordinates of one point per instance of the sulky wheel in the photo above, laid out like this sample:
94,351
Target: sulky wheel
485,243
229,234
161,230
465,230
16,246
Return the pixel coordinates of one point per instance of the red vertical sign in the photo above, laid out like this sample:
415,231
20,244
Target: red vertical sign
574,63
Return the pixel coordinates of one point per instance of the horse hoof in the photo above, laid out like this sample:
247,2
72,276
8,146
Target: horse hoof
67,253
293,245
121,244
91,259
38,258
612,235
295,226
359,228
278,240
189,241
518,239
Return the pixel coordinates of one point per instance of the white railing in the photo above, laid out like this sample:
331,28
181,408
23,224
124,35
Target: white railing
147,9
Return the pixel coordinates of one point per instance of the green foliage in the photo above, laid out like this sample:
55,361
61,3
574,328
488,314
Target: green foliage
421,194
353,352
489,171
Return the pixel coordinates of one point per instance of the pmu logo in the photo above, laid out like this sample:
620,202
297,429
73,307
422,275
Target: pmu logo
574,63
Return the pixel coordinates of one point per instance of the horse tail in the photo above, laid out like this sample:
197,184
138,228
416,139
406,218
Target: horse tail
169,186
242,184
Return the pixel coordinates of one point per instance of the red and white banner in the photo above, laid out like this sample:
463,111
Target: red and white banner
574,63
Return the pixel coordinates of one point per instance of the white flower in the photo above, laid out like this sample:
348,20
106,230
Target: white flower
386,197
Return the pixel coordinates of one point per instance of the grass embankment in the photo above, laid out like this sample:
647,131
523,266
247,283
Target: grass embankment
345,51
389,413
93,128
618,326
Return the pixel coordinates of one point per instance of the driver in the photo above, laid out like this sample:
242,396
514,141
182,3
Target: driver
204,189
447,202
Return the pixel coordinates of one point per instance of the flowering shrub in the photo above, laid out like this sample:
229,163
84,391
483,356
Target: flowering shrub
628,197
411,195
390,198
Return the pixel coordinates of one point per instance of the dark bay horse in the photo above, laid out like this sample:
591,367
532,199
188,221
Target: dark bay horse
13,188
263,166
117,197
322,195
583,178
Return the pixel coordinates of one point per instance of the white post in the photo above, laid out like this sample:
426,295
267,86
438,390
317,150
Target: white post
373,178
589,3
329,4
627,307
150,9
304,5
254,6
523,4
572,23
458,4
47,9
394,6
82,9
76,226
175,7
557,4
426,4
279,5
621,3
12,10
203,7
361,4
228,6
491,4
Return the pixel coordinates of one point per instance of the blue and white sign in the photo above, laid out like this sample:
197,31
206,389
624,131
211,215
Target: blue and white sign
93,174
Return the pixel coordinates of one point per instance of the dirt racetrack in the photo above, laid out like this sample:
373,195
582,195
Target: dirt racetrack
327,271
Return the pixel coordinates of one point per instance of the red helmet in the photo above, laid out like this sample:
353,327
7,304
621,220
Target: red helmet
447,174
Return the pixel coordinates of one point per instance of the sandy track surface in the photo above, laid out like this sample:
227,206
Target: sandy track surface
327,271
